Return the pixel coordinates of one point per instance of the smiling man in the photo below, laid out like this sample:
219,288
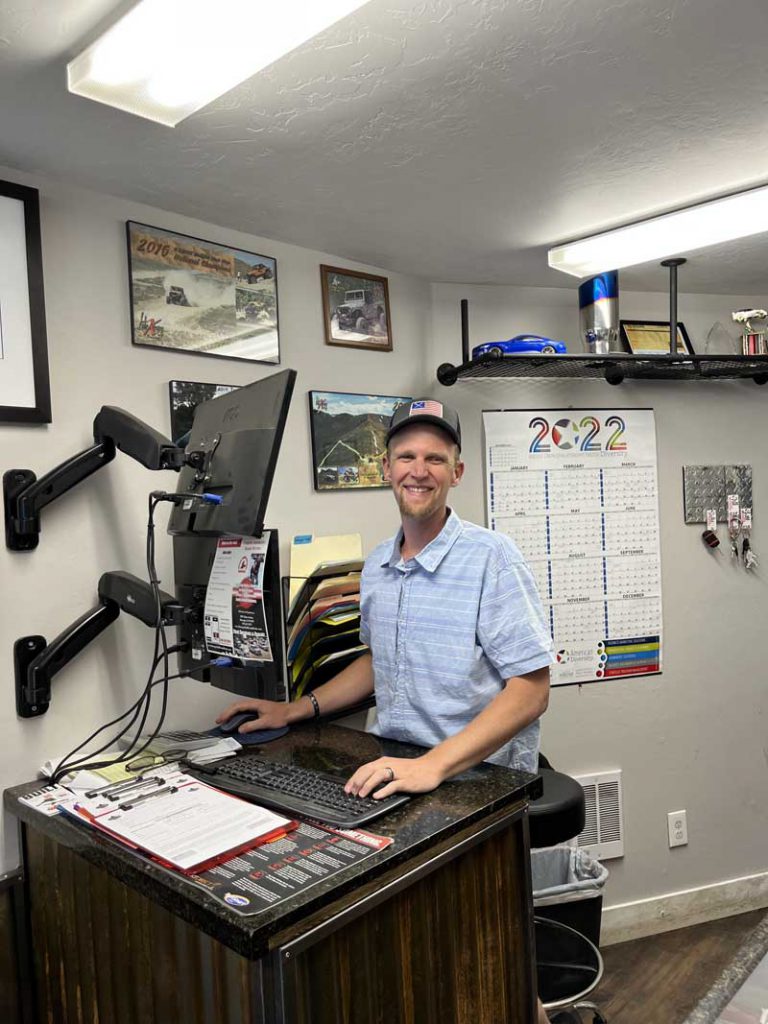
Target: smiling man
459,646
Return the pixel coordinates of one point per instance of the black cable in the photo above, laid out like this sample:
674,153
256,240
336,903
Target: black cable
67,765
77,766
82,764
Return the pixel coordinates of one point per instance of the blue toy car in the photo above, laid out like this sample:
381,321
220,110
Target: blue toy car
519,345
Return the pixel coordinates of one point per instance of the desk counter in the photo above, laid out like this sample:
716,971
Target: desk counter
454,882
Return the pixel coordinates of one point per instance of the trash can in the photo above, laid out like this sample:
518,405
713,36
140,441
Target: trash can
568,888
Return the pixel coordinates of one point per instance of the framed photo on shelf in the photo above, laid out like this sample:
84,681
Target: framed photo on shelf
651,337
184,397
25,392
356,309
204,297
349,439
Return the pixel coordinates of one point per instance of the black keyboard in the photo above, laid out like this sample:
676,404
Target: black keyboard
300,791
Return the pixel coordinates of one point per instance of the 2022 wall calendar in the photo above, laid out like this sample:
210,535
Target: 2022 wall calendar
576,489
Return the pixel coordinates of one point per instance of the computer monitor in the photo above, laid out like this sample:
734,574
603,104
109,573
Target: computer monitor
236,440
234,443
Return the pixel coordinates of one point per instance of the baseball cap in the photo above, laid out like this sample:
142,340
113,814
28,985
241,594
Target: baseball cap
426,410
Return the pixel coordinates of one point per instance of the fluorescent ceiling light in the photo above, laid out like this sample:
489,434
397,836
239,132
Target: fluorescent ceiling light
165,59
669,235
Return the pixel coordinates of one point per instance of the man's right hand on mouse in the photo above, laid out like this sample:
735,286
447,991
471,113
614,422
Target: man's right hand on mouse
272,714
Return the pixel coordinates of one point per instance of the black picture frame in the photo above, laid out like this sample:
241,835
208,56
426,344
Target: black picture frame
23,338
651,337
200,297
359,469
184,396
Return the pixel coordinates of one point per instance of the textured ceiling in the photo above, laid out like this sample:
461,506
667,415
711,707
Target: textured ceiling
452,139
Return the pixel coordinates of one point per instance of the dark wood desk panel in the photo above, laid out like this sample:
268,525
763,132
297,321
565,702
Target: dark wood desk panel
438,927
447,942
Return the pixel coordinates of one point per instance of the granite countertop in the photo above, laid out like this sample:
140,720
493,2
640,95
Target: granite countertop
747,957
420,824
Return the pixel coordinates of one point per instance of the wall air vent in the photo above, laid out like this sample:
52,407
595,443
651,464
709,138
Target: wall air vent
603,834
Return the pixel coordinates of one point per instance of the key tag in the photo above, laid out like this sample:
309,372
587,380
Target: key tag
734,523
748,556
709,536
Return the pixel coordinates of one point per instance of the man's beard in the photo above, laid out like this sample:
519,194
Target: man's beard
418,510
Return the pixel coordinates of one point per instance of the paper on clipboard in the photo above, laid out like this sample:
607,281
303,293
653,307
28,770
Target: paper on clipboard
187,824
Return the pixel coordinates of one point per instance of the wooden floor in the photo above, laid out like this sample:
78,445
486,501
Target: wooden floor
659,980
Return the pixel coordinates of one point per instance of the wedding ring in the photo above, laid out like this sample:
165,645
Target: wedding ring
391,773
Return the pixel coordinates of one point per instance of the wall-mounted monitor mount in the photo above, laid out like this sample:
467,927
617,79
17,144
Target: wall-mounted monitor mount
228,466
24,496
36,662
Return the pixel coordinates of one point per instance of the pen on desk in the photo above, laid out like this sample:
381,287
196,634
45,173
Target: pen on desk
113,788
132,801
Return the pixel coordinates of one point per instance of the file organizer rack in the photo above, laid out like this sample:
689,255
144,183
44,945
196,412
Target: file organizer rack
330,640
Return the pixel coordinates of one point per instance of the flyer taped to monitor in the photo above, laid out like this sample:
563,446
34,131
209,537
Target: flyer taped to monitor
235,622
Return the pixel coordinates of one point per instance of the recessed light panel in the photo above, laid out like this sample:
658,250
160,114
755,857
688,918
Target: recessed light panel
165,59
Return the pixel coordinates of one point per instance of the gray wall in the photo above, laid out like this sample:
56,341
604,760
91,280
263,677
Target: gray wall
690,738
695,736
101,524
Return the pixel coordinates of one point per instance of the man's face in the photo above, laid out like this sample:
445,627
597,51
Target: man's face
422,465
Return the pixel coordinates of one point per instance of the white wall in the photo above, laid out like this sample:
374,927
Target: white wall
101,524
692,737
695,736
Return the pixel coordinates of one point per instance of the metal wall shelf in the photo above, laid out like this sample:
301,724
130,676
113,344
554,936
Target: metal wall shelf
614,368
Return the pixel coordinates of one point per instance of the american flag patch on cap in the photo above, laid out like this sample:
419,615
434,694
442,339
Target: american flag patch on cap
429,407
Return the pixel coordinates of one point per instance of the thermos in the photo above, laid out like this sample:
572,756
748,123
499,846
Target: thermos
599,312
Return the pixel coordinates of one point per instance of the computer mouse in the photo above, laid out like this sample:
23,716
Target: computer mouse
231,726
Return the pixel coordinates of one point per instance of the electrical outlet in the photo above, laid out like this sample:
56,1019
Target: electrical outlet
677,827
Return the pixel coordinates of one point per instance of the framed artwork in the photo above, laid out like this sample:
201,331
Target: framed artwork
349,438
651,337
196,296
184,397
356,309
25,392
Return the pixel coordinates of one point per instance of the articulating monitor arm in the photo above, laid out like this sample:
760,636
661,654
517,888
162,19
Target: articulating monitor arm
36,663
24,496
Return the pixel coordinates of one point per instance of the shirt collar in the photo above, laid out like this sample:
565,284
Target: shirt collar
430,557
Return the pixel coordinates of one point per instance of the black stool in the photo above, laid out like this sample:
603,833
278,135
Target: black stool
568,965
559,813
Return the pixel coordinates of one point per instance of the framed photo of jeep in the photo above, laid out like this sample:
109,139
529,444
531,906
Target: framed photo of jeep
192,295
356,309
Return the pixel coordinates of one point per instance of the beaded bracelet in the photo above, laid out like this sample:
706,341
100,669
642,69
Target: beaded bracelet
315,705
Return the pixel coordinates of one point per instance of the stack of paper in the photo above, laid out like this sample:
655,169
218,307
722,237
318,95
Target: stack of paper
309,551
323,624
226,746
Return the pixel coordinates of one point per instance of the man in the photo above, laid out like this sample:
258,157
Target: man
459,647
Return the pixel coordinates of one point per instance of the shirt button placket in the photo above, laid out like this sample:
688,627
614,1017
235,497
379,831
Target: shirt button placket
402,618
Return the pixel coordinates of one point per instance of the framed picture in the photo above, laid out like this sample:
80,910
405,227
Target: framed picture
349,438
25,393
651,337
356,309
204,297
185,396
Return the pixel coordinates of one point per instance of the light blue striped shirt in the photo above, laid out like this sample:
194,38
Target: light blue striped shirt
446,629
